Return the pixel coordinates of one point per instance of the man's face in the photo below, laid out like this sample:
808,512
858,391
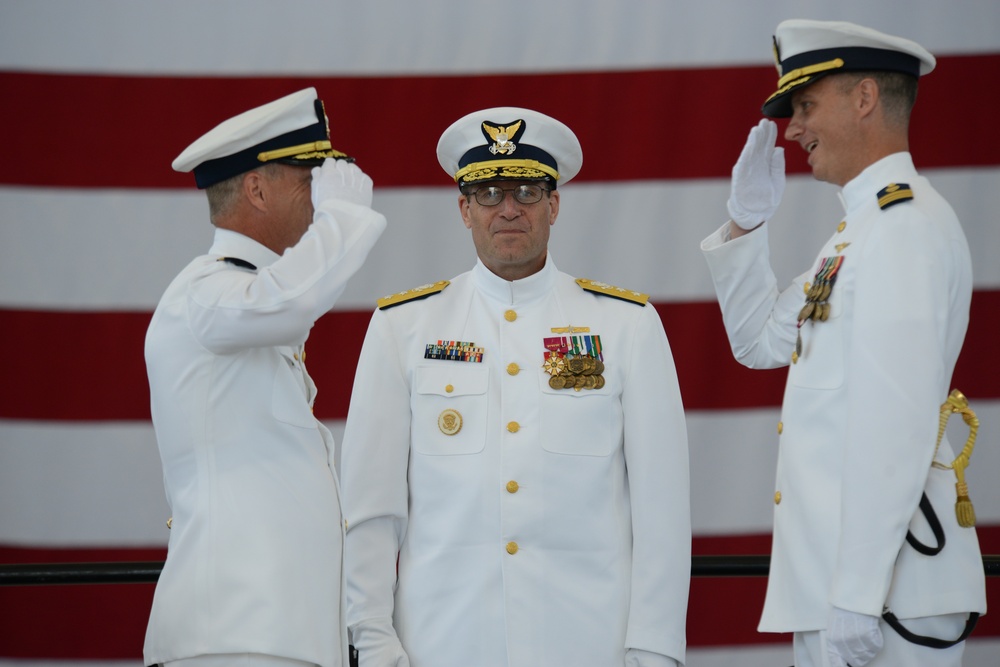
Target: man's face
293,208
511,237
823,123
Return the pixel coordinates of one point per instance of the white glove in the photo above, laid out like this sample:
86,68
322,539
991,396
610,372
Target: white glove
379,646
758,177
343,180
851,638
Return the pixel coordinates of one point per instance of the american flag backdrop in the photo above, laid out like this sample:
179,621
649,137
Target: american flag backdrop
98,96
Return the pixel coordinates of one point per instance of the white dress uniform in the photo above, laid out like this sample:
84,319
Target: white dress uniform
254,559
533,525
859,419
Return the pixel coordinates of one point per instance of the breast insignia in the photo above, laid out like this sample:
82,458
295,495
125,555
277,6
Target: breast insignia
421,292
893,194
611,290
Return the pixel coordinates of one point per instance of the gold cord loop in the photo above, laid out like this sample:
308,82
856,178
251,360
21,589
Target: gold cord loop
957,402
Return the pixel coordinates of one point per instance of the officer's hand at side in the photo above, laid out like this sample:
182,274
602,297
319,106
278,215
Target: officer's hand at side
758,178
343,180
851,638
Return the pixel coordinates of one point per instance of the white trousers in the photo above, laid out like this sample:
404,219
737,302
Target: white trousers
238,660
810,647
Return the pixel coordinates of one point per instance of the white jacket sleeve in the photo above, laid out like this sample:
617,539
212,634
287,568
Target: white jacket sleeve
232,310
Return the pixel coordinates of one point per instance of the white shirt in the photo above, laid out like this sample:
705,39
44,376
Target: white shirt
553,528
255,549
859,419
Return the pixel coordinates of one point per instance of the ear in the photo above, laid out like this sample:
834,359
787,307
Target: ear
463,208
255,190
867,96
553,207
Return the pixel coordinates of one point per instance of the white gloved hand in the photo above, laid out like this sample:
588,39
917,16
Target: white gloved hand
343,180
758,177
851,638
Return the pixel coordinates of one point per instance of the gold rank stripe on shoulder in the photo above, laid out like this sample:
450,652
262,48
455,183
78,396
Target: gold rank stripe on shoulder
611,290
893,194
421,292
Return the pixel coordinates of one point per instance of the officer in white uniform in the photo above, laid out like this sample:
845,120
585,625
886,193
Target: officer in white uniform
253,574
871,332
516,443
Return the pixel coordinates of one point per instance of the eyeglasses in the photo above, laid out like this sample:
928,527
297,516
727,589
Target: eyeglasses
526,193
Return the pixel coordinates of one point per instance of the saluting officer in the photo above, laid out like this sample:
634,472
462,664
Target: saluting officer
516,443
871,559
254,562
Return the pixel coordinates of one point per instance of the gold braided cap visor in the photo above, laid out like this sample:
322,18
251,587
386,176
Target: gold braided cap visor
526,169
308,151
802,75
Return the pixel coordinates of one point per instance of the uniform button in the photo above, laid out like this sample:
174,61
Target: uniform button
510,315
842,226
512,487
777,497
512,548
449,388
781,427
513,369
807,287
513,427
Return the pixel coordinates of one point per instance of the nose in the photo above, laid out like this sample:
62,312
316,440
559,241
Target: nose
511,207
794,129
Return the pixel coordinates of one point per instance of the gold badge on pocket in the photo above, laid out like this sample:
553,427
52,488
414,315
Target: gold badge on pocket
450,422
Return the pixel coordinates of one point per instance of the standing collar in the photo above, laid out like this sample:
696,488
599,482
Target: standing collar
228,243
518,291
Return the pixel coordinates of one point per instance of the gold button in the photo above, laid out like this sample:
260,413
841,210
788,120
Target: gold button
512,487
513,369
513,427
777,497
170,523
805,288
510,316
448,388
781,427
841,226
512,548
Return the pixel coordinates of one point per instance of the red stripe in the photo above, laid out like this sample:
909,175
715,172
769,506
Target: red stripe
90,366
109,621
121,131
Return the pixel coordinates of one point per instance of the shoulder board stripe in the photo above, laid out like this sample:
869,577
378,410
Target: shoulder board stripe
893,194
421,292
612,291
236,261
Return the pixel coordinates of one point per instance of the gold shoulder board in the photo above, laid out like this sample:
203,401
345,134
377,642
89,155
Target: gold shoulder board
893,194
611,290
421,292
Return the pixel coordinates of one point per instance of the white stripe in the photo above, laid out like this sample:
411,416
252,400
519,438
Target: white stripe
99,484
261,37
118,249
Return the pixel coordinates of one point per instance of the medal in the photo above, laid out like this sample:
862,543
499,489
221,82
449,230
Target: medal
574,361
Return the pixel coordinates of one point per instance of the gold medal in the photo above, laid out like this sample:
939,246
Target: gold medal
807,311
557,382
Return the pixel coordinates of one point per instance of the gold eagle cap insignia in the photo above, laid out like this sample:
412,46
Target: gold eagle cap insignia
501,137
